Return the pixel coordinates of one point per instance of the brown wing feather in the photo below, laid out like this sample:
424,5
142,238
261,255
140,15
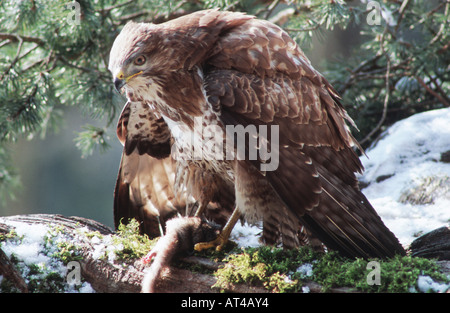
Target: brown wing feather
144,187
150,202
283,85
257,76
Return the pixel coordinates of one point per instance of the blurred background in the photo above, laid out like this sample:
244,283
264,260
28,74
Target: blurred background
56,179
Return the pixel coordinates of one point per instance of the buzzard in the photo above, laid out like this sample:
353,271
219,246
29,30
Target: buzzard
152,189
244,106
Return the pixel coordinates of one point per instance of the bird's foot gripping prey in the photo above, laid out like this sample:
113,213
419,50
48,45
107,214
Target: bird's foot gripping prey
222,239
240,109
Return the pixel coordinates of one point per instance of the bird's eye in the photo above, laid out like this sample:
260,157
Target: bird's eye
140,60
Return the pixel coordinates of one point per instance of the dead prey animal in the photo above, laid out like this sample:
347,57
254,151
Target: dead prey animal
182,233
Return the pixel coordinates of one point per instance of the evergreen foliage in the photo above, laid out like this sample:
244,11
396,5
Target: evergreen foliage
54,55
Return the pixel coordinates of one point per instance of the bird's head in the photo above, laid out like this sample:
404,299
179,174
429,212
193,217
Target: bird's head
135,55
146,52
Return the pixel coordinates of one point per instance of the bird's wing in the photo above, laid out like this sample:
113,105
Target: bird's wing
144,187
258,76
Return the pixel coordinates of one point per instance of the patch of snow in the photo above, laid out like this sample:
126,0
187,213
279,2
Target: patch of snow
305,289
28,250
96,241
427,284
305,269
32,250
105,247
86,288
408,152
246,235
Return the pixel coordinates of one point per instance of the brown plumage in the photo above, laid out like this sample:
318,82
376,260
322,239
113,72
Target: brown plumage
223,69
152,189
148,187
147,198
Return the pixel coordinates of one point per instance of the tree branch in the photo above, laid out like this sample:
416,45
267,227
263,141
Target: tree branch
443,25
16,58
385,106
432,92
382,51
119,5
15,38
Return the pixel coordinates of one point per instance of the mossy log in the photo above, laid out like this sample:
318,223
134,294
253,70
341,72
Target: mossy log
125,276
106,276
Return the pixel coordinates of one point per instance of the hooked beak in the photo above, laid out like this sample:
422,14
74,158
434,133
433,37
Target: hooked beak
118,83
120,80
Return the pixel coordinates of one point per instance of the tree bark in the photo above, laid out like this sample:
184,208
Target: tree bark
8,269
435,244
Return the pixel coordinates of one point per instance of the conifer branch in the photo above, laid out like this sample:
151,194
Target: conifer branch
16,58
17,38
441,99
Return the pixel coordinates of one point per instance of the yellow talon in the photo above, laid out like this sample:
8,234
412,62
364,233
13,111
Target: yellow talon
219,243
222,239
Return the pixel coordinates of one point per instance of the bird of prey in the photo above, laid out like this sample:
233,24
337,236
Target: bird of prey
243,104
152,189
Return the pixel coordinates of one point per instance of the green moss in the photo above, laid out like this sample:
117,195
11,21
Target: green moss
396,275
59,246
264,266
92,234
40,280
132,243
10,235
38,277
332,271
240,268
66,252
402,272
276,270
126,244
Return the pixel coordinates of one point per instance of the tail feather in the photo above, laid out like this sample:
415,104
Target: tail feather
342,218
354,225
